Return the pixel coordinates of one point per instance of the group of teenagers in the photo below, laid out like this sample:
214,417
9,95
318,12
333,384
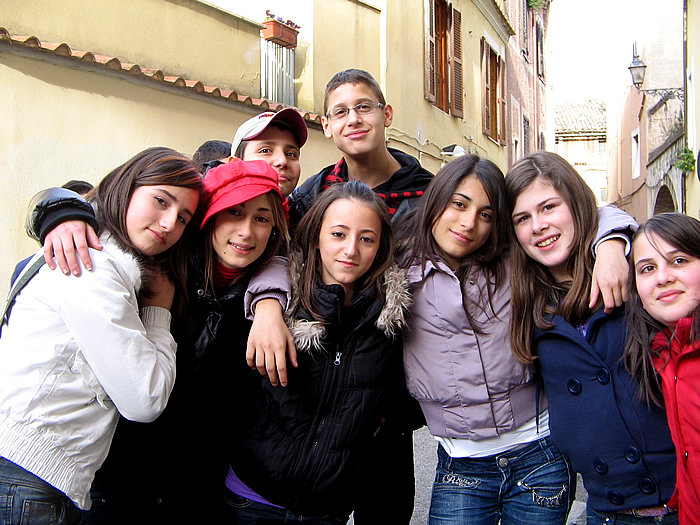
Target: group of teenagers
317,327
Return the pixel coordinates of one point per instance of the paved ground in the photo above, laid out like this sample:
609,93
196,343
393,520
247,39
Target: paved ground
424,453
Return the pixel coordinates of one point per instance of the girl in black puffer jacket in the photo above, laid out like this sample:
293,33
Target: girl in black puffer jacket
297,449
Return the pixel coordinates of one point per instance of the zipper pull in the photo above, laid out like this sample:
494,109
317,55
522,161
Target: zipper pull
337,358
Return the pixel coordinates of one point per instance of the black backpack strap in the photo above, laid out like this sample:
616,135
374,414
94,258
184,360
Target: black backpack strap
20,283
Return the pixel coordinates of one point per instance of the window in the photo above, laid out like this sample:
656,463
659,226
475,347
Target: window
277,73
526,136
443,57
493,85
636,155
539,36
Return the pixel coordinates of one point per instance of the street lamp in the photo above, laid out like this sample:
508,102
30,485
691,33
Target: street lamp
638,71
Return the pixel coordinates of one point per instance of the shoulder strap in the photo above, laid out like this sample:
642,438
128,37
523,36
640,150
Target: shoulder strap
20,283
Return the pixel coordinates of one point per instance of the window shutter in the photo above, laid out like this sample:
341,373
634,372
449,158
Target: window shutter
485,88
501,101
456,89
430,58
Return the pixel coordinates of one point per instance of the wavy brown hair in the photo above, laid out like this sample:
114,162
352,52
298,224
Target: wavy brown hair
536,295
305,253
152,167
683,233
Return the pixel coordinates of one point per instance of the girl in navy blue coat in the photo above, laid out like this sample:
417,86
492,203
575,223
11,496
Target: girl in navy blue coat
620,446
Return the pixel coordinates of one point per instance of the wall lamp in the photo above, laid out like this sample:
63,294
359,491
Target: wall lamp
638,71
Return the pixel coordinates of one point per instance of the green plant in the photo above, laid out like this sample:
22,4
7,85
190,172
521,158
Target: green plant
686,160
537,4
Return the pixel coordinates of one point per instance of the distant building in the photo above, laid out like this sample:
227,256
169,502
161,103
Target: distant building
581,138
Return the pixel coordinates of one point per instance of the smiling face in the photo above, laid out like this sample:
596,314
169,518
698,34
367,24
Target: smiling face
157,216
348,243
241,232
667,279
465,224
544,226
279,149
357,135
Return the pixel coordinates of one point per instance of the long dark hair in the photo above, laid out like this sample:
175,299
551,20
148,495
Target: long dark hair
683,233
305,255
535,293
416,240
151,167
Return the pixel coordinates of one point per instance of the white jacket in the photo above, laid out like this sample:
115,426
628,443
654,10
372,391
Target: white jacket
74,355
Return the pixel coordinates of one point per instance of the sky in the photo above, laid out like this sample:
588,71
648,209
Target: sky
590,45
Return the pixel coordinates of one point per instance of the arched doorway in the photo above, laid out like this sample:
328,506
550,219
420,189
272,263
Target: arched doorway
664,201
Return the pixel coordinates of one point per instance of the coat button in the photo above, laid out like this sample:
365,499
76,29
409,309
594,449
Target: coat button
600,466
603,376
574,386
616,498
632,455
502,462
647,486
200,292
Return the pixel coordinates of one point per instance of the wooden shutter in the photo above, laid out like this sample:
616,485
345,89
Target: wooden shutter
501,100
485,88
430,58
456,90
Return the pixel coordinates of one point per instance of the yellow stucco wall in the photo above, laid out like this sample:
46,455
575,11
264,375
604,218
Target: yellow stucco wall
60,123
692,196
195,40
418,123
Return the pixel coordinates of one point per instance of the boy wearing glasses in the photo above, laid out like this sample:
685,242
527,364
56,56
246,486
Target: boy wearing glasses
355,116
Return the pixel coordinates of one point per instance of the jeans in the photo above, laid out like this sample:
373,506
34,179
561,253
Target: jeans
531,484
26,499
595,517
247,512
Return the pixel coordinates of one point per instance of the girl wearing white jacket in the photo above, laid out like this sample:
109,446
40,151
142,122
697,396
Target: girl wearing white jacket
77,352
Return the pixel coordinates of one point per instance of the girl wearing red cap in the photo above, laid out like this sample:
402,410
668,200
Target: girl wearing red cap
295,451
78,352
174,468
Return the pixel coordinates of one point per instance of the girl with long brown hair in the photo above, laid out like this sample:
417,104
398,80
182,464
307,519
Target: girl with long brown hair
620,446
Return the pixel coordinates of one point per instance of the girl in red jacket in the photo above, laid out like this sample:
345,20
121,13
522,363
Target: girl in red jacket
664,327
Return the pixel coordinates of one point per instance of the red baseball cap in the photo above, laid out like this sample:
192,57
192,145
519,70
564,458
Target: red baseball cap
236,182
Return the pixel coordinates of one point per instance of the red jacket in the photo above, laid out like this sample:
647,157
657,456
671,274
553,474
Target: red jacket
679,368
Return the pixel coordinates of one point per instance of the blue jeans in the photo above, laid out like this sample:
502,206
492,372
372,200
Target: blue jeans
247,512
531,484
595,517
26,499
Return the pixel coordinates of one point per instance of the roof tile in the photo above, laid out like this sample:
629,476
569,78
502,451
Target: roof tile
62,49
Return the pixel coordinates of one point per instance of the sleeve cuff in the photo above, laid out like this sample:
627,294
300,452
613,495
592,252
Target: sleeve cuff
155,317
610,236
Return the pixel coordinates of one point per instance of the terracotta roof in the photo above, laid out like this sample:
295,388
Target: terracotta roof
154,74
586,117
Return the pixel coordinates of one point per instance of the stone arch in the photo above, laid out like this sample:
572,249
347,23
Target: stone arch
664,201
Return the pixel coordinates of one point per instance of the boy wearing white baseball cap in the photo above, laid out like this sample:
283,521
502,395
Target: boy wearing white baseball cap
277,139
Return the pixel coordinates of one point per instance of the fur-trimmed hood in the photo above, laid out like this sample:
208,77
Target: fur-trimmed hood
309,335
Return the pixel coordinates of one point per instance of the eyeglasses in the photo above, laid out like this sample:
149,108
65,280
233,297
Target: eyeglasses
363,108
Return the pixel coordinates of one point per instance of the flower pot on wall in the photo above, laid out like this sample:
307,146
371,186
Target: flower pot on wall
279,33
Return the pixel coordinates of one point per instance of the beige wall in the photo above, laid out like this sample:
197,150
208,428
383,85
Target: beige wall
60,123
193,39
420,128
